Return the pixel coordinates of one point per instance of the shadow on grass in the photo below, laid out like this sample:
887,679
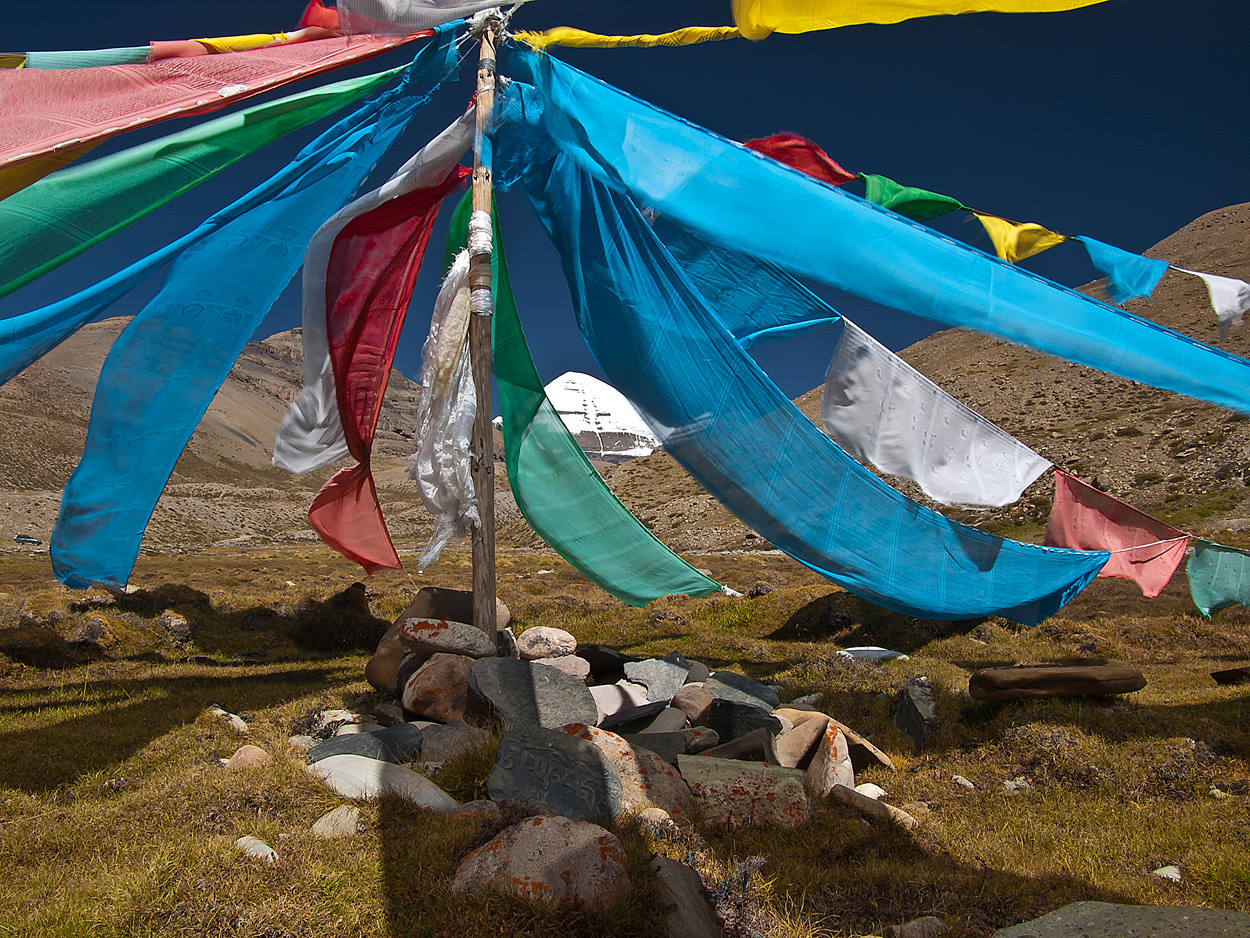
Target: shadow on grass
850,621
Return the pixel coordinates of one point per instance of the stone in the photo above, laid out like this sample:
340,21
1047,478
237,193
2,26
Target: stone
257,849
571,665
927,926
329,721
871,807
870,653
443,742
752,747
431,602
964,782
505,644
434,636
388,714
798,716
661,678
831,763
688,907
731,719
863,753
730,686
700,739
737,794
248,757
870,790
611,699
396,744
439,689
301,741
481,810
635,719
668,720
364,779
1109,920
917,711
646,779
232,720
790,749
352,729
555,860
1017,786
343,821
694,702
1170,873
656,817
808,700
604,660
1053,680
176,627
699,672
521,693
547,770
668,746
1231,676
544,641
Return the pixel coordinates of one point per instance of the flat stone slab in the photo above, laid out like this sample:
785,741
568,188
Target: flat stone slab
556,860
731,719
1108,920
633,719
730,686
647,780
743,793
668,746
551,771
571,665
623,695
364,779
1231,676
1053,680
521,693
431,636
442,742
397,744
661,677
917,711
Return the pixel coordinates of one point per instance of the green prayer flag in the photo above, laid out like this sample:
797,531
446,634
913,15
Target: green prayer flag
916,204
1219,576
61,215
557,489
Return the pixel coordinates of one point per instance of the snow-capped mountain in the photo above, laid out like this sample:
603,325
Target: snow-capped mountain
600,418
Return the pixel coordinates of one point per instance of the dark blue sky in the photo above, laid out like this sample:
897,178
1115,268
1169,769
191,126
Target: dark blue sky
1122,121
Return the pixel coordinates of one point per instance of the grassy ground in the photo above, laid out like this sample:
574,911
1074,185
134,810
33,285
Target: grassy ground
116,817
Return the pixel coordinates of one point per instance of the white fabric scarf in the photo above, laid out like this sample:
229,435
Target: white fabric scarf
1230,298
884,412
385,17
442,463
311,433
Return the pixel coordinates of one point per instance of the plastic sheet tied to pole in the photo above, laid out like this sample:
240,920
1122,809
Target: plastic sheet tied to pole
163,371
724,192
738,435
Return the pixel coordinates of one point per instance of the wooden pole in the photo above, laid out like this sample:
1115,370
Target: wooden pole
483,465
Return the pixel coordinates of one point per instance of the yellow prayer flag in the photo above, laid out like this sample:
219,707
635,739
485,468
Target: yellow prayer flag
20,175
569,36
1015,241
243,43
758,18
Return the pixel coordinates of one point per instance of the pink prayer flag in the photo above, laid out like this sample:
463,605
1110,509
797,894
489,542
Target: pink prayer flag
1143,549
373,266
43,111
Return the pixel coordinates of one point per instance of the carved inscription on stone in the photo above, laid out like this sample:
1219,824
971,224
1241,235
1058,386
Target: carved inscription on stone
549,771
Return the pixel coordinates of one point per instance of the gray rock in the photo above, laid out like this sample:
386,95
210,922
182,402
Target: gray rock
739,794
700,739
634,719
623,695
646,779
343,821
543,641
809,700
177,627
433,636
571,665
395,744
730,686
562,862
731,719
686,902
546,770
352,729
668,720
694,702
661,677
505,644
388,714
521,693
698,673
443,742
917,711
367,779
1108,920
668,746
752,747
928,926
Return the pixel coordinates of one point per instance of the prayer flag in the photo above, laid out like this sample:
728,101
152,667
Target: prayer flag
1219,576
1230,298
1016,241
569,36
916,204
1128,275
1143,549
803,155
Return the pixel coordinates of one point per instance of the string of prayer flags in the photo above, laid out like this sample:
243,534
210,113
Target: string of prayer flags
1128,275
916,204
1230,298
758,18
803,155
1015,241
87,58
1143,549
886,413
569,36
1219,576
399,17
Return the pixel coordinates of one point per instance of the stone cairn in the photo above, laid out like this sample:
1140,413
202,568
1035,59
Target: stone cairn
591,735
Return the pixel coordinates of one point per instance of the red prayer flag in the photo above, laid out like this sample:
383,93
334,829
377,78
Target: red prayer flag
1143,549
318,14
803,155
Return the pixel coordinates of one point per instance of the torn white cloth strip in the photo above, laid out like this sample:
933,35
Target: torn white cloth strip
442,464
1230,298
311,433
388,17
885,413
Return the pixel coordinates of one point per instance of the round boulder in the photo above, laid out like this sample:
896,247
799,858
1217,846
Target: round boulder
543,641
